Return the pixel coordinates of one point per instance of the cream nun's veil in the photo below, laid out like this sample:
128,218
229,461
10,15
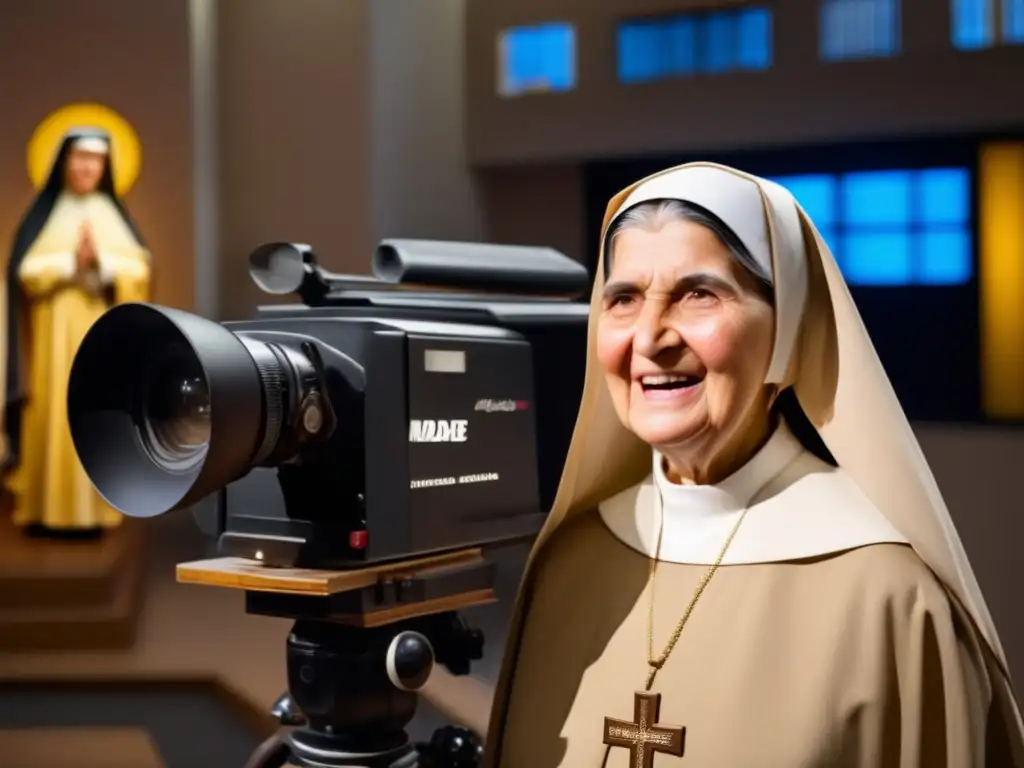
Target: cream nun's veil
821,349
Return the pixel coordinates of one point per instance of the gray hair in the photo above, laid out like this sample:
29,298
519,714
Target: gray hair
655,214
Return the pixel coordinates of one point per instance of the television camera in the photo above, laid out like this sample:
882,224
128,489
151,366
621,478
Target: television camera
364,449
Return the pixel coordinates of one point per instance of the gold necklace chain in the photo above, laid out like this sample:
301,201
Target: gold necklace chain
656,664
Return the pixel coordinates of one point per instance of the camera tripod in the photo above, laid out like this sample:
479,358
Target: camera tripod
363,643
352,691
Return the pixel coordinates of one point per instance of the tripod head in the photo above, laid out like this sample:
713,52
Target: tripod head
352,691
363,643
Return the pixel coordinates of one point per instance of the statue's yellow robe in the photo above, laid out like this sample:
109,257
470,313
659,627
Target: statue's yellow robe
49,485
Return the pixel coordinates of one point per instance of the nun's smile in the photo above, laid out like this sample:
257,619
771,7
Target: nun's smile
671,388
685,339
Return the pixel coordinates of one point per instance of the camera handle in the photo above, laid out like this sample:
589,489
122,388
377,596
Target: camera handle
352,691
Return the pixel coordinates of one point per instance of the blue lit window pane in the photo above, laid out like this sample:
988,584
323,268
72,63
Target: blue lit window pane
1013,22
877,258
559,56
887,27
680,47
639,53
520,59
720,42
945,257
944,195
816,195
876,197
893,228
830,32
538,58
859,29
971,24
712,42
754,33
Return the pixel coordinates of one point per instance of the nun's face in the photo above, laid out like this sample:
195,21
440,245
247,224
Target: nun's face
84,170
685,340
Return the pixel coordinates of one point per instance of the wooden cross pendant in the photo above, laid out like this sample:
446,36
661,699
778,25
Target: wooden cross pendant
644,736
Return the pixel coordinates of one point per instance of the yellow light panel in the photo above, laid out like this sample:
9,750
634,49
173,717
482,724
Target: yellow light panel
1001,278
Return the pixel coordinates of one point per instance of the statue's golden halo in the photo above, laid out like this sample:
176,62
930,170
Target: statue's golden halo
126,151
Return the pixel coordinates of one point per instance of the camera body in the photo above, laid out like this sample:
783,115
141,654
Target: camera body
425,410
435,446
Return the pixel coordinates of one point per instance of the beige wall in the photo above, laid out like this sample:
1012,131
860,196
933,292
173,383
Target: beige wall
929,89
293,131
132,57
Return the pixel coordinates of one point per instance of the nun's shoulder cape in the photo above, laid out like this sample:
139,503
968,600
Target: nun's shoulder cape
847,627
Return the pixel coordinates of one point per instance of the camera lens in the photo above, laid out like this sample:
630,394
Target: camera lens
176,411
164,408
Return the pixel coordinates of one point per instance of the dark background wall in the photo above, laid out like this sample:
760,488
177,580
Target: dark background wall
133,58
929,88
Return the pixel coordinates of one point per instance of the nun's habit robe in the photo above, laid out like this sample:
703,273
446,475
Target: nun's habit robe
845,627
55,310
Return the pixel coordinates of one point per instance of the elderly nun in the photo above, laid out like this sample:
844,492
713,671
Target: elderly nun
749,564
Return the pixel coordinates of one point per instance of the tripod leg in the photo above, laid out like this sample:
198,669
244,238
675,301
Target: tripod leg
272,753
